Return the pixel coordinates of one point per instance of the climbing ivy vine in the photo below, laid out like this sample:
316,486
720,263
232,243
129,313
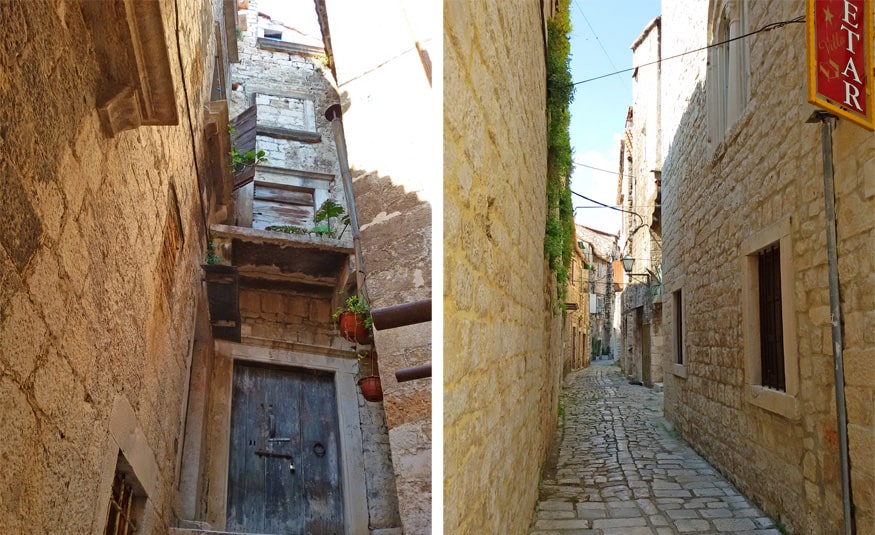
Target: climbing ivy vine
559,238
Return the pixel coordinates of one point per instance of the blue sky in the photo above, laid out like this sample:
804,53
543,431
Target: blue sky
598,112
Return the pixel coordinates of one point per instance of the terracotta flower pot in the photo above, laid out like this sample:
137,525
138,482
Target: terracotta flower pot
371,387
352,327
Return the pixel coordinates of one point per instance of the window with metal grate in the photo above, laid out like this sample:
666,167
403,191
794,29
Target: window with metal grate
771,319
121,508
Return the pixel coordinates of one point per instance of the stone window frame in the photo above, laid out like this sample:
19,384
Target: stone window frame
127,501
785,403
728,81
127,451
273,91
679,367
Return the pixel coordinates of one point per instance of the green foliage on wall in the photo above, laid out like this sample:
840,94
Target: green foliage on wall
560,231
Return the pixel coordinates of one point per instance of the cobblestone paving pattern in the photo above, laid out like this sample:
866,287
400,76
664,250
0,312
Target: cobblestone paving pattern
618,470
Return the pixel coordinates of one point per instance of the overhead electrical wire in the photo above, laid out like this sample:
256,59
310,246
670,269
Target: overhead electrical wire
599,41
766,28
598,169
606,205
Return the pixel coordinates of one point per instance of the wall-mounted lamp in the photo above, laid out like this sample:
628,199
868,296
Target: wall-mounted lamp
628,263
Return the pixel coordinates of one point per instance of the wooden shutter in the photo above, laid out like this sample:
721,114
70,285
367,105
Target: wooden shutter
243,139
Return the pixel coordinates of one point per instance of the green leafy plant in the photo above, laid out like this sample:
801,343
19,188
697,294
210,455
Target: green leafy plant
357,305
239,31
288,229
329,210
212,258
559,236
321,230
241,160
231,129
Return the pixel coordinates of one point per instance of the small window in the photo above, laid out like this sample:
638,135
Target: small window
126,501
273,34
771,318
678,305
121,508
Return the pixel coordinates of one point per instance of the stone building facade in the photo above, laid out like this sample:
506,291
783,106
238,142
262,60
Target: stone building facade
287,370
502,342
105,199
390,88
641,236
601,254
577,311
743,191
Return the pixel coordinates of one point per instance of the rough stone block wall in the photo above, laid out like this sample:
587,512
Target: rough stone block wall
98,281
715,196
502,345
289,318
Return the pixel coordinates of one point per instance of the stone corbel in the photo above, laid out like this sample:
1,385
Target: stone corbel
120,110
132,51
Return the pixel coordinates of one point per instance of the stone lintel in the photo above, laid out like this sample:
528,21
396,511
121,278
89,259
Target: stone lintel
275,45
303,136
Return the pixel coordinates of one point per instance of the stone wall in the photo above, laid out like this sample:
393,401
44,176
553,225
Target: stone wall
502,344
718,196
389,84
99,276
642,311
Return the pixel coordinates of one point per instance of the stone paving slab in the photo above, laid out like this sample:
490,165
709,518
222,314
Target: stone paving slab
617,470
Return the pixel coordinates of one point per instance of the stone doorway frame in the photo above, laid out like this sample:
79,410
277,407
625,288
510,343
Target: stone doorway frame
351,462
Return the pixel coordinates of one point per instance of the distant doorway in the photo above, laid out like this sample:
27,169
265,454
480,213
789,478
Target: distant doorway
646,376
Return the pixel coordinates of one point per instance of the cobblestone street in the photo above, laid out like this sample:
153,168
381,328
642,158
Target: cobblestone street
620,471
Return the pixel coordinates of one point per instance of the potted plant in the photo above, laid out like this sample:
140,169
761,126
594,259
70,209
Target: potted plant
372,388
354,318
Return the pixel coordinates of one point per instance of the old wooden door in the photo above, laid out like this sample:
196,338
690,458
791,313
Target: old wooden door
284,466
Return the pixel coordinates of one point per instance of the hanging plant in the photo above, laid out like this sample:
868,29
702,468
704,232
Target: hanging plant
354,319
371,385
212,258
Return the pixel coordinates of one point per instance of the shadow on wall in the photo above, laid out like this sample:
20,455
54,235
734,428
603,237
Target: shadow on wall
396,239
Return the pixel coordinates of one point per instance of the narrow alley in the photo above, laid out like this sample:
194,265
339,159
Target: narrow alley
617,468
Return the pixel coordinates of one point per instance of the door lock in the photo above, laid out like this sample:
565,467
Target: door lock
263,453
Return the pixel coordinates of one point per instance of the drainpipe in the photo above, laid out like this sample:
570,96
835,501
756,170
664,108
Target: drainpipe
828,122
333,114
